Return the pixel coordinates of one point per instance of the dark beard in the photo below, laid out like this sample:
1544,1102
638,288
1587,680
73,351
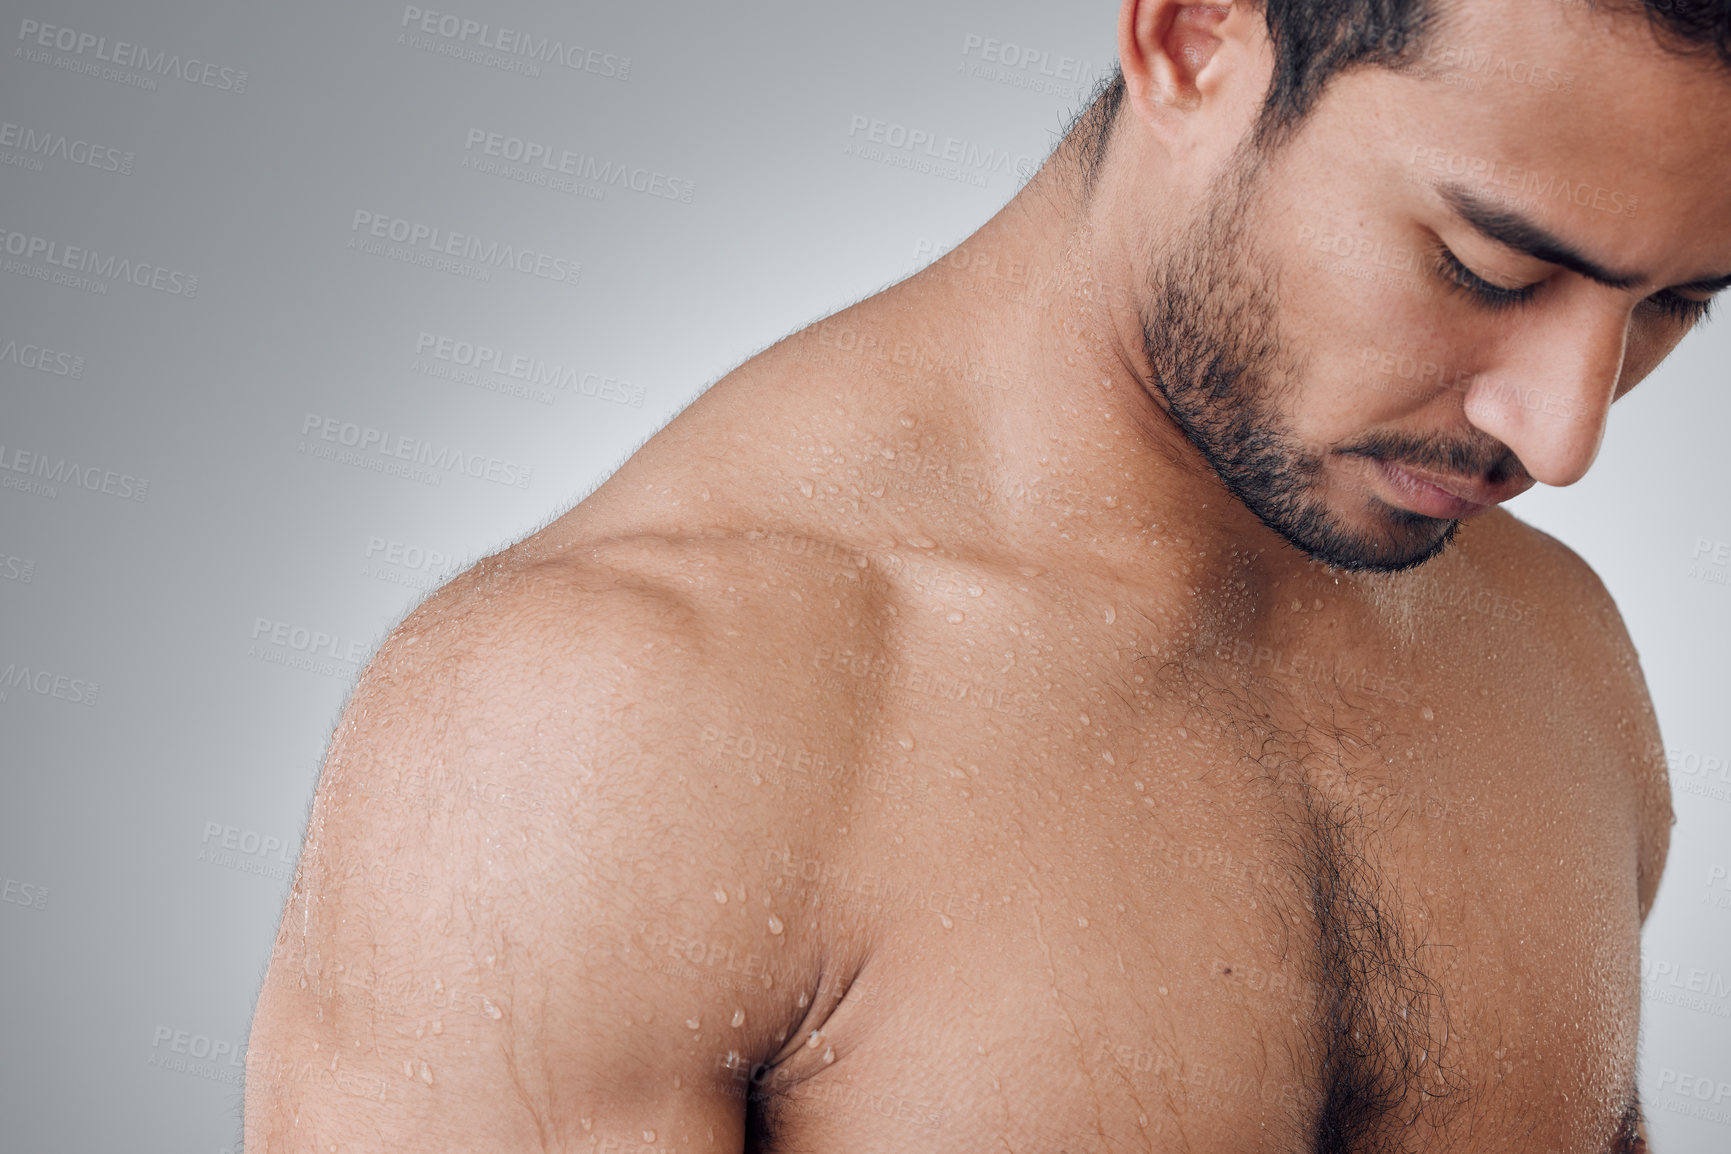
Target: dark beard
1214,348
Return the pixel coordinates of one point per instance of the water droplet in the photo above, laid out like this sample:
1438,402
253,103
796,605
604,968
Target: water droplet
806,488
816,1037
975,591
649,1135
677,1082
493,1012
768,982
426,1074
1106,756
828,1054
694,1023
948,923
720,896
1163,991
1140,787
588,1123
1083,922
1182,732
1427,714
438,1027
1083,718
906,741
1111,614
955,617
804,999
408,1068
738,1018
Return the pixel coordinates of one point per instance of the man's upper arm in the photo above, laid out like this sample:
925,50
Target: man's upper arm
504,820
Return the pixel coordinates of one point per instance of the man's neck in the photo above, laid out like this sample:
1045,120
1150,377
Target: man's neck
1046,304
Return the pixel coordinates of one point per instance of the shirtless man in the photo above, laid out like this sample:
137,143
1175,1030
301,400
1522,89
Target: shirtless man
1082,698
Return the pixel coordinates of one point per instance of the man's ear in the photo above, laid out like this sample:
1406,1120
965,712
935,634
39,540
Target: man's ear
1163,47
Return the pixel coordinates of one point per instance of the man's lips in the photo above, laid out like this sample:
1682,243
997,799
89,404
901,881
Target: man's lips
1444,497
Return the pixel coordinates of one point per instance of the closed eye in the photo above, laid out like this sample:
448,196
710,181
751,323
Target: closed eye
1669,303
1686,310
1459,278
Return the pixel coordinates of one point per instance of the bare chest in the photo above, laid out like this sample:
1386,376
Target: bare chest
1107,903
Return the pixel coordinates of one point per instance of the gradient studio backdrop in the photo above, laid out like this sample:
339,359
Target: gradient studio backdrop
201,602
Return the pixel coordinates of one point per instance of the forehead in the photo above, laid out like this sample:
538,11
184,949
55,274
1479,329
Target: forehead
1573,113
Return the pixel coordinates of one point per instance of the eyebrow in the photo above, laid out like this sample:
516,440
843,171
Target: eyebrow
1512,230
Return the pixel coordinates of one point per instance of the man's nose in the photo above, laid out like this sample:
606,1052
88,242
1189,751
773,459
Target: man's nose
1550,393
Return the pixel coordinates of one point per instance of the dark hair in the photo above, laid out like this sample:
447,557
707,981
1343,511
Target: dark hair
1314,40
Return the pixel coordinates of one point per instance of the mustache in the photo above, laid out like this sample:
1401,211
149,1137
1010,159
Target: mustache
1482,457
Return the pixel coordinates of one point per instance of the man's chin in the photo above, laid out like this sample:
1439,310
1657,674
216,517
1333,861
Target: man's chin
1392,540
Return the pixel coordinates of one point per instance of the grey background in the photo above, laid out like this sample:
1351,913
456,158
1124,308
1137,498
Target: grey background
140,826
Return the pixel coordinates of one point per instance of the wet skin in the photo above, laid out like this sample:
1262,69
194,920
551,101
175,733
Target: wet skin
915,747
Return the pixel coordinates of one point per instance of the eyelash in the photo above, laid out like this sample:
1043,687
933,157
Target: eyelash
1460,278
1680,308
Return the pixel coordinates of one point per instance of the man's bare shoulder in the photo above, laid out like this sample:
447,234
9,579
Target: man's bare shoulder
518,836
1576,621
